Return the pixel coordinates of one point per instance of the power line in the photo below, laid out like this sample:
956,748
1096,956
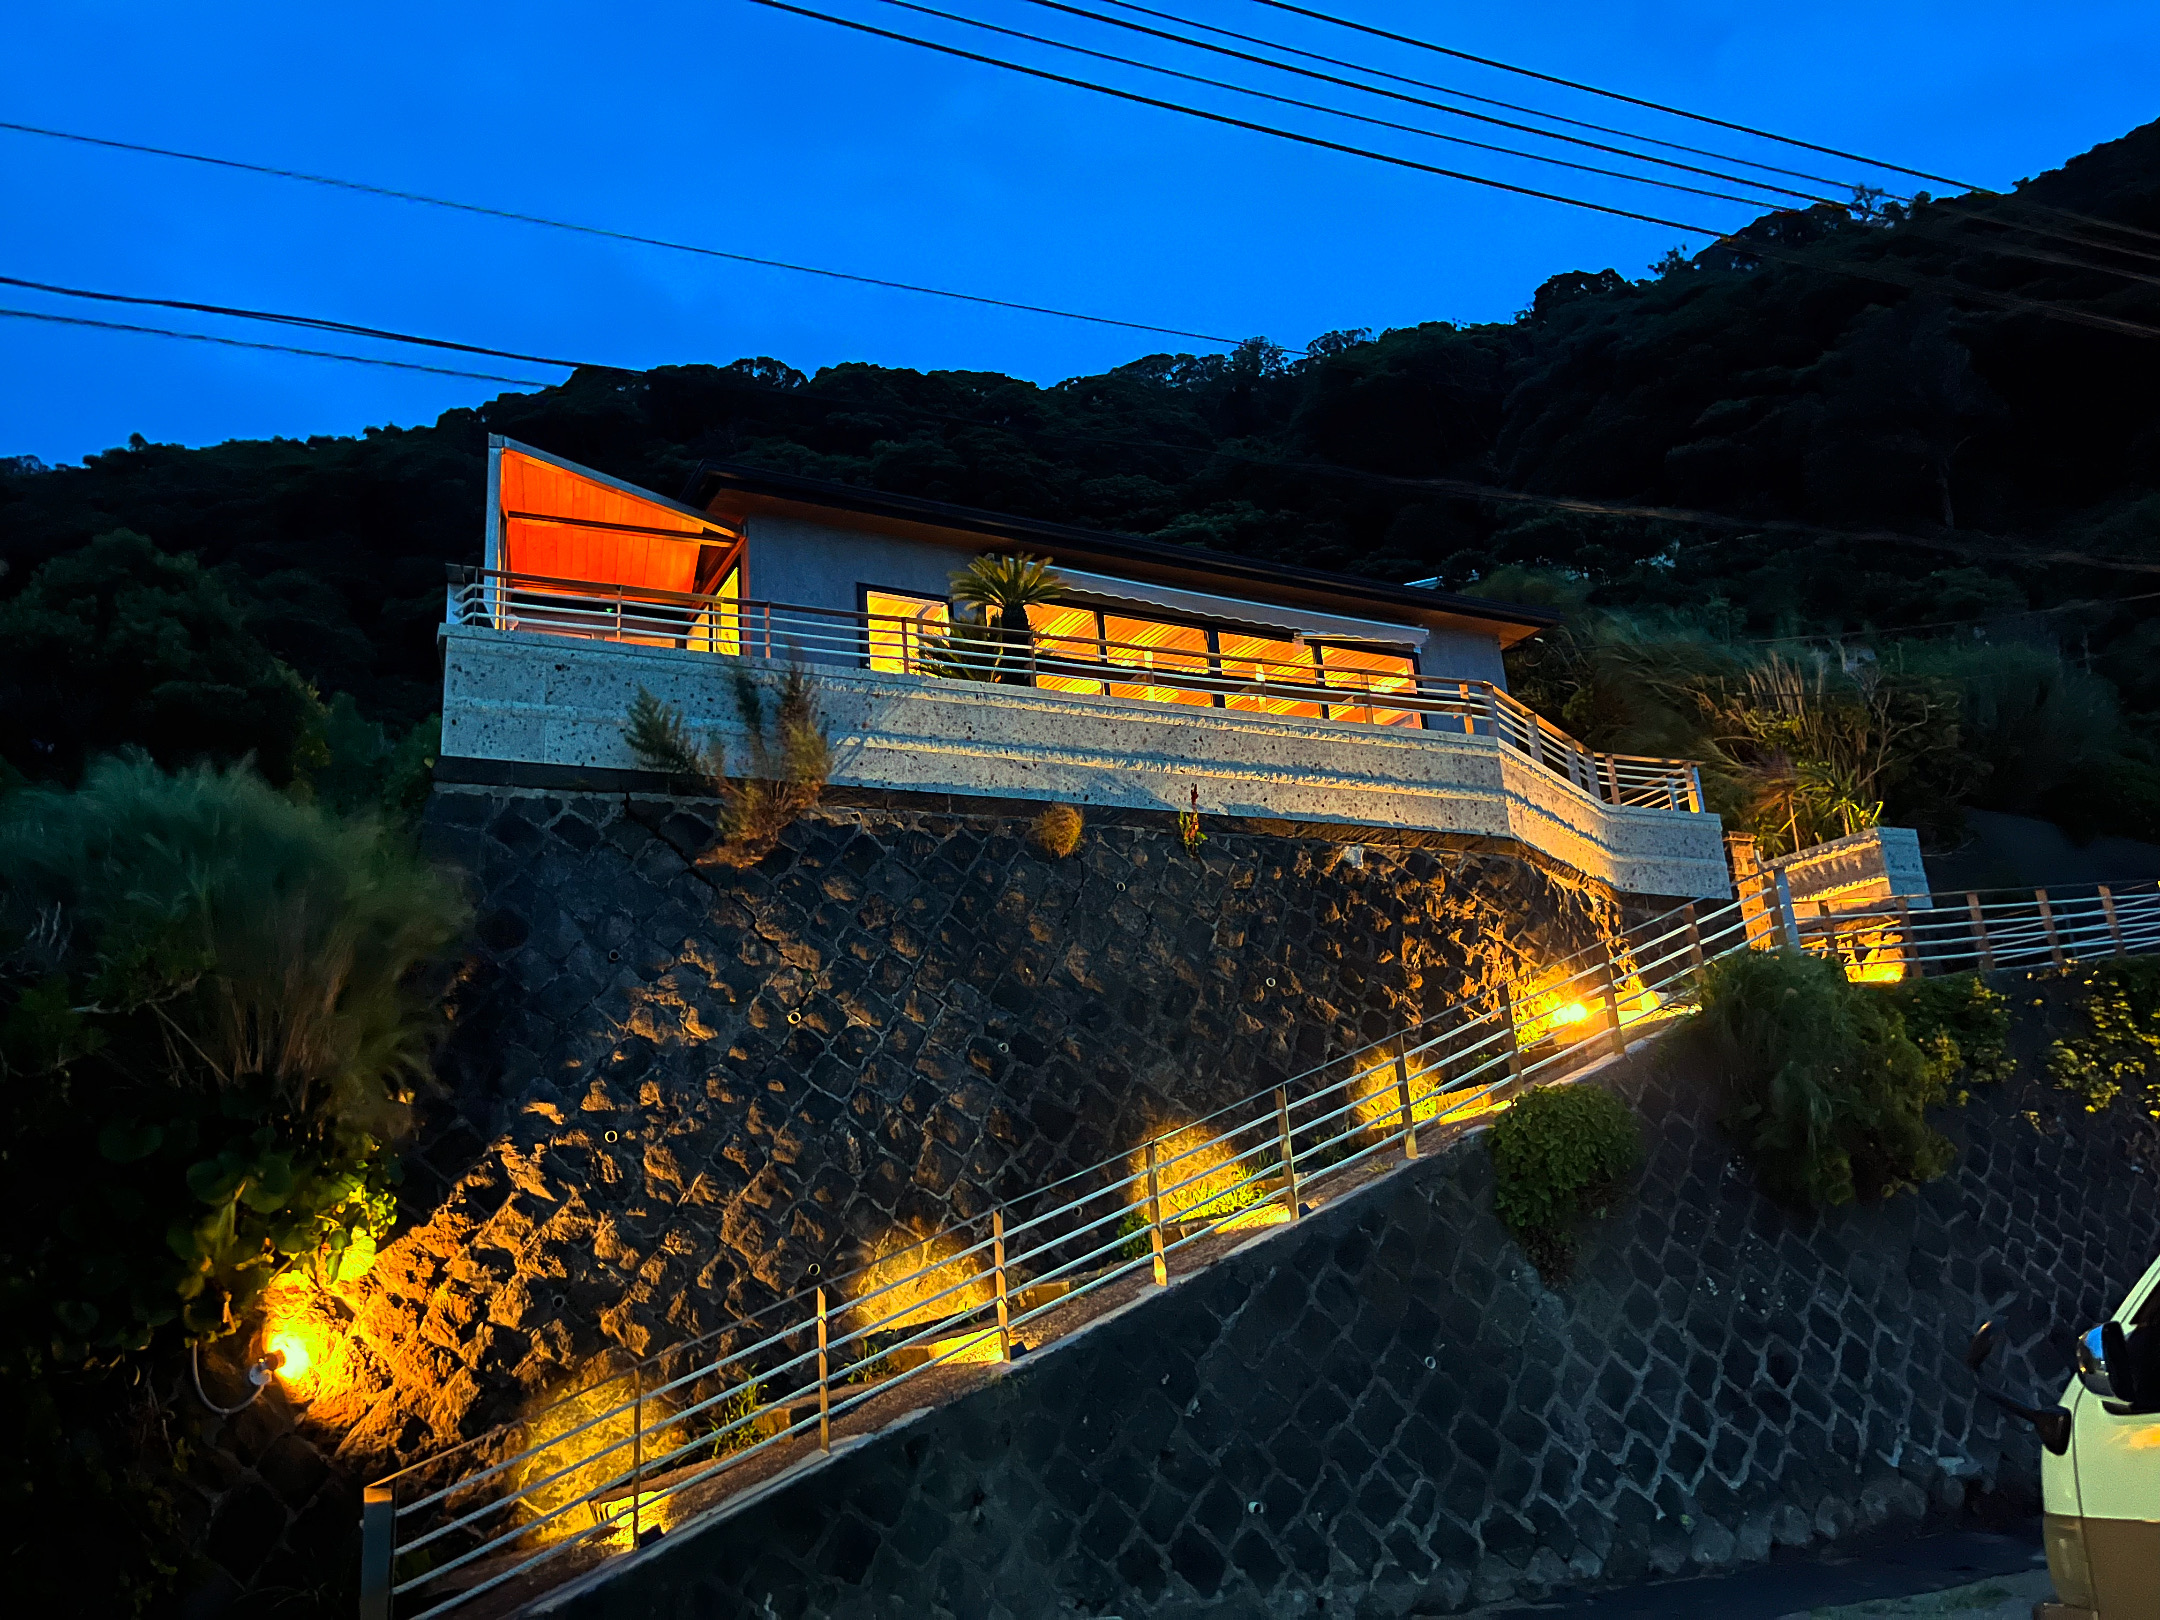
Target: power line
610,235
1613,95
1750,247
1393,95
275,348
1467,95
1990,549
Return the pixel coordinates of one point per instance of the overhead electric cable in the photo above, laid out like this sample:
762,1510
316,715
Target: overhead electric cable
608,234
1613,95
275,348
1392,95
1750,247
1994,548
1337,112
1486,101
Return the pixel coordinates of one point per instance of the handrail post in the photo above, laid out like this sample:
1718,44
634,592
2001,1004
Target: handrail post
1694,938
1409,1121
1289,1155
378,1549
1788,919
768,630
997,1261
2047,921
637,1443
1980,933
2107,906
1695,788
1154,1199
1909,958
824,1382
1617,1039
1492,711
1612,779
1507,1026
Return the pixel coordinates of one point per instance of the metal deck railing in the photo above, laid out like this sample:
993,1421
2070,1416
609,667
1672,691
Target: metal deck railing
1095,665
673,1434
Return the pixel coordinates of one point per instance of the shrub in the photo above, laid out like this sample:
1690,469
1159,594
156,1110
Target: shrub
1824,1090
1057,830
1558,1153
790,760
1962,1025
2111,1051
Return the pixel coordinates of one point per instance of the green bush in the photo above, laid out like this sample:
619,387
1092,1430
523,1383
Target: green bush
1962,1025
1824,1089
2111,1051
1559,1153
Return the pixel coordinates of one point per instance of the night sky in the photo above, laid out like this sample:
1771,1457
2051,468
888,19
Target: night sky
727,124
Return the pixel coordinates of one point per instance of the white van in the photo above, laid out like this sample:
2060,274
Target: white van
2100,1465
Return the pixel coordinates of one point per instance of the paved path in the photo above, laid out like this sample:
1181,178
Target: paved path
1996,1571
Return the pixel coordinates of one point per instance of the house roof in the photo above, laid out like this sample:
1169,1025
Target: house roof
729,489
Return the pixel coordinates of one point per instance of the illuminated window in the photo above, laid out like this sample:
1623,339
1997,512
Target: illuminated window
1154,645
1374,674
899,621
1065,636
1259,662
719,628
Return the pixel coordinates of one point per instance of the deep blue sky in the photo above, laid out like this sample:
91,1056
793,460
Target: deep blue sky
725,123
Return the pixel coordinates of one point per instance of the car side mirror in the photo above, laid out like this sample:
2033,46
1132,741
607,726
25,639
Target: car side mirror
1982,1346
2095,1348
2052,1423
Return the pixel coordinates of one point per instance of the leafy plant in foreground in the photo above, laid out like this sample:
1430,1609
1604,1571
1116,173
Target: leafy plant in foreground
789,758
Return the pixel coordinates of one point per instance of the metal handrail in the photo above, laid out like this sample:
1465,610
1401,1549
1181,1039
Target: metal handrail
589,610
1347,1113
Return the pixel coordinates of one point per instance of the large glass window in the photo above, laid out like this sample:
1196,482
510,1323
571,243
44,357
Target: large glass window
1155,644
1261,662
899,622
1374,674
1065,636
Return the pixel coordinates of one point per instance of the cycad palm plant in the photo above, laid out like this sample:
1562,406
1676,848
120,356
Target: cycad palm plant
1001,590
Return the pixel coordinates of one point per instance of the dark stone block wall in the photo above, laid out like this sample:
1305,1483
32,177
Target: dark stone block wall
1383,1411
676,1088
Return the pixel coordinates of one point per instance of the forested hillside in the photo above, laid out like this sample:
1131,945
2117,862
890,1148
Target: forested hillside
1761,382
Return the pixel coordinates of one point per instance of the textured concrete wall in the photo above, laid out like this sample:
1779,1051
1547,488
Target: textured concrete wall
1383,1411
677,1088
551,701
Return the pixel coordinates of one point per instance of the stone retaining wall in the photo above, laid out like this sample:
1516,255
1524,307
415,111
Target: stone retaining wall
1383,1411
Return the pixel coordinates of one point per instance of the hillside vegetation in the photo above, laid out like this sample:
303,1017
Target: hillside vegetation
1760,381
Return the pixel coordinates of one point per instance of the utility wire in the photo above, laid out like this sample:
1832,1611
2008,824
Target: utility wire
1750,247
1393,95
1486,101
610,235
1613,95
274,348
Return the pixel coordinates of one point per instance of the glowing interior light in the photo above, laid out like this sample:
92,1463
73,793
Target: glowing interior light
295,1359
1573,1013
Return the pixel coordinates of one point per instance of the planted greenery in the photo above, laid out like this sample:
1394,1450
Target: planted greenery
1559,1154
2110,1052
1962,1025
211,1030
788,753
1825,1090
1057,830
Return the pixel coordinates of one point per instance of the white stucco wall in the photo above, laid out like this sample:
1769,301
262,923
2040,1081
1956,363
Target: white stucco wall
545,700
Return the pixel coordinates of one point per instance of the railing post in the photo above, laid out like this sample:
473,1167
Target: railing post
1695,788
1694,938
1289,1156
1507,1030
1409,1121
1154,1201
637,1444
1612,779
378,1549
2107,906
618,612
1492,712
768,629
1909,958
1788,919
1980,934
1617,1040
2047,921
824,1382
997,1260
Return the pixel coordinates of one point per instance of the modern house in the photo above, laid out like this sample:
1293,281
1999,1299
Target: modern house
1162,676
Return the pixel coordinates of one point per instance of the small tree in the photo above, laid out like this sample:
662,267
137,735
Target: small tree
790,761
1001,590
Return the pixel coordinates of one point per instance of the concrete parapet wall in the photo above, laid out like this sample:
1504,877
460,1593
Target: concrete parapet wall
553,701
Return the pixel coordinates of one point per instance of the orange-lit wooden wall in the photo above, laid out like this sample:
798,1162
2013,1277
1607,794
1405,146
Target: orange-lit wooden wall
558,525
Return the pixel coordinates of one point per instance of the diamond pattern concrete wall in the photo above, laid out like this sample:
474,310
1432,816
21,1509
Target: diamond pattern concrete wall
1383,1411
